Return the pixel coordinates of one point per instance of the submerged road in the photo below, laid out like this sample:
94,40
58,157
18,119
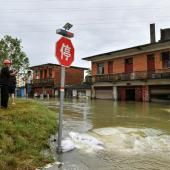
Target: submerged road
134,135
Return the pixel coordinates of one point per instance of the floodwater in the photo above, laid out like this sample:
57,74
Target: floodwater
130,135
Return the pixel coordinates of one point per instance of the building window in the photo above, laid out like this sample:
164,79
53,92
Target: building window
45,74
100,68
129,61
166,59
41,74
50,72
36,74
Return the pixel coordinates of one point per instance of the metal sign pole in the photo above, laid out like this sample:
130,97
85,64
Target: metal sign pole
59,149
65,56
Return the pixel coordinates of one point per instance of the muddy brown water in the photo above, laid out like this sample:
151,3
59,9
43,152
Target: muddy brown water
135,135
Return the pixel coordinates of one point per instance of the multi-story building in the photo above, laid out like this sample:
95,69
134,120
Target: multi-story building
140,73
46,79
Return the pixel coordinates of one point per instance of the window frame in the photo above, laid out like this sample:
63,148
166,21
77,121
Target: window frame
165,62
100,68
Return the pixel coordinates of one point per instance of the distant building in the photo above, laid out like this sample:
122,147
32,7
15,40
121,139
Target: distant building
21,84
140,73
46,79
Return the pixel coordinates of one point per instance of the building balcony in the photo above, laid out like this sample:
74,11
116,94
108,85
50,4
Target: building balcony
43,82
139,75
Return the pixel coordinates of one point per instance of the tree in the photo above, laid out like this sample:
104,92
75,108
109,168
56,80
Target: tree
88,77
88,72
10,48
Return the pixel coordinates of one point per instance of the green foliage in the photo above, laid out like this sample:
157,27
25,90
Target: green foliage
88,72
10,48
24,132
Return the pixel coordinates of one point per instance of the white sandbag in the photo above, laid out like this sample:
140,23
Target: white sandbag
67,145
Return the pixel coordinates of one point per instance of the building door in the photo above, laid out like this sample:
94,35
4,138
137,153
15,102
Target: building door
130,94
45,74
121,93
104,93
110,67
151,63
129,65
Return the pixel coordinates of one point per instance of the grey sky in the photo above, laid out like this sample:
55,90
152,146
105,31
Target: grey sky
99,25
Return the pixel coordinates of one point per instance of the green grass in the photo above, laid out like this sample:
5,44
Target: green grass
24,132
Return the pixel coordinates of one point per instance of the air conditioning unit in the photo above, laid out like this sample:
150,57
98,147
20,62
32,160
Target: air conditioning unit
132,76
153,76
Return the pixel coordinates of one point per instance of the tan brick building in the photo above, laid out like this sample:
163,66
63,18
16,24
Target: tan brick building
140,73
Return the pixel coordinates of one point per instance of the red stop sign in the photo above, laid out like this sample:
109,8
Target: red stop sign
65,51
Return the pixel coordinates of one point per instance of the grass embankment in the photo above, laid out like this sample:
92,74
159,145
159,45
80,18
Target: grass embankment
24,132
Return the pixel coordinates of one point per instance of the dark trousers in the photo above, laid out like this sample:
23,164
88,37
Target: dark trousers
4,96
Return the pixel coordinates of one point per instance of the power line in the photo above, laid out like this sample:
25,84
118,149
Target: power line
65,12
39,10
106,28
89,8
86,22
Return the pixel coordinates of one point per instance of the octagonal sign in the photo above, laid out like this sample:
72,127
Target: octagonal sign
64,51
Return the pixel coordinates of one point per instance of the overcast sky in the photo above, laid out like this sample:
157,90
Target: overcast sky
99,25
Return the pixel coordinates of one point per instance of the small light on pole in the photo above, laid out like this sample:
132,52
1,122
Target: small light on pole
64,31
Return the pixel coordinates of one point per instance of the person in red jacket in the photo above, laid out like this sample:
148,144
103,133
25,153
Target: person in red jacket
4,82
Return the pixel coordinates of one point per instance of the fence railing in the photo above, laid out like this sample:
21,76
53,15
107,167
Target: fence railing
139,75
43,82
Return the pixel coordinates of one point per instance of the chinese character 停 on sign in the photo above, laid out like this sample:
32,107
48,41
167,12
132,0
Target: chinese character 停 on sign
65,52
